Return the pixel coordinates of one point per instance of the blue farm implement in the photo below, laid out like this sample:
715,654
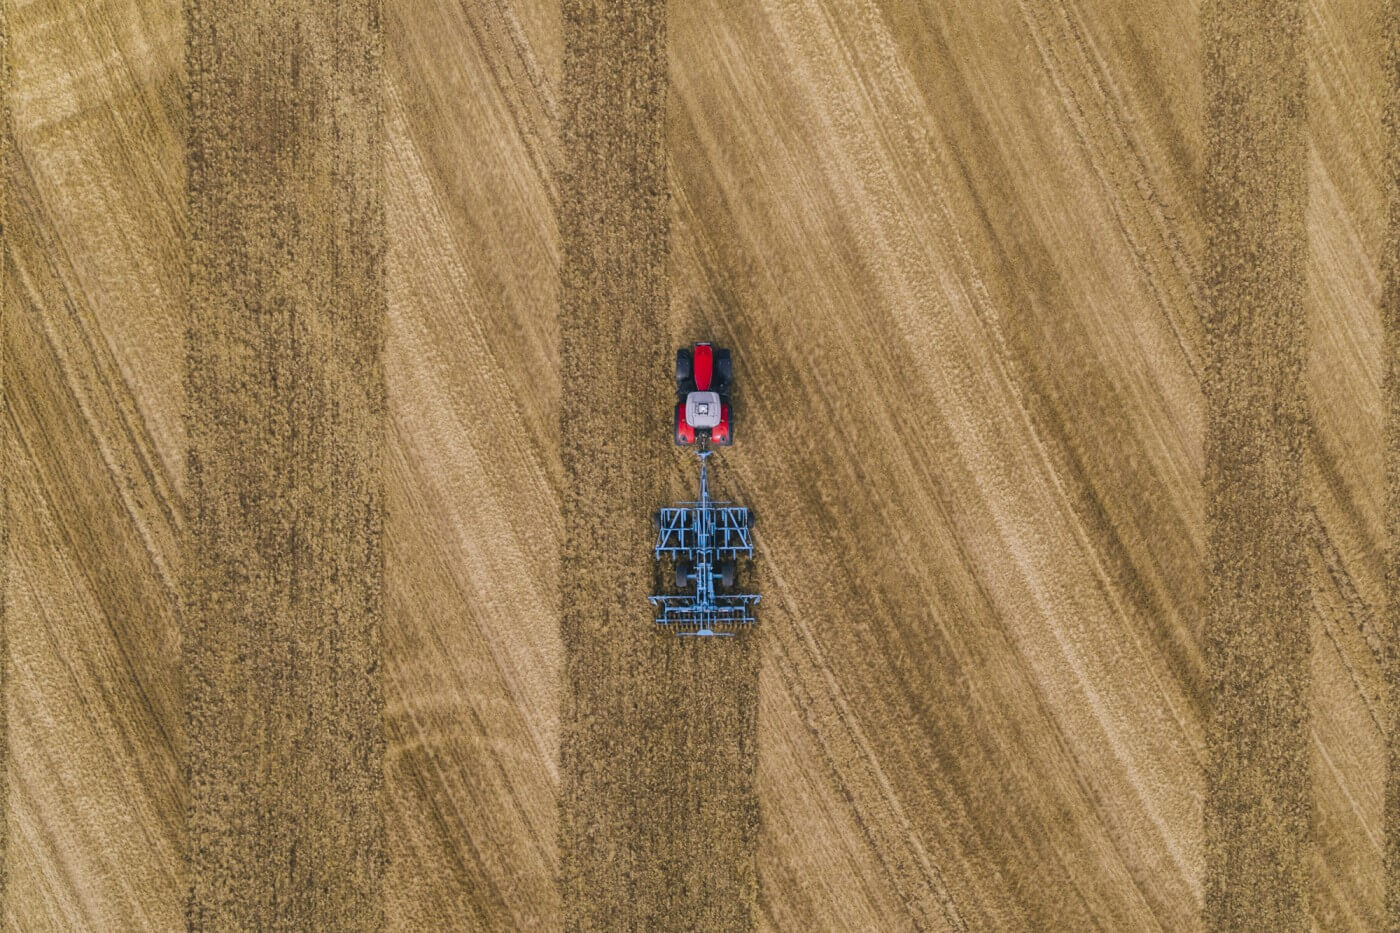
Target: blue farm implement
704,539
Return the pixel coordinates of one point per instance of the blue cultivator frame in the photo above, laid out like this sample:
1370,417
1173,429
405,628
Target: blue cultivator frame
704,533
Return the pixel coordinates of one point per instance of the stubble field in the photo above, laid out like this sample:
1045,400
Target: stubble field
336,365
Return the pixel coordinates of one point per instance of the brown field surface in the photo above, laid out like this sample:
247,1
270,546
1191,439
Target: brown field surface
335,345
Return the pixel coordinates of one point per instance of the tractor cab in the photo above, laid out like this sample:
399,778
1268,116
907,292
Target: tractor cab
703,409
703,374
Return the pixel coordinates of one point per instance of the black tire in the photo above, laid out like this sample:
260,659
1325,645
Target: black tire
685,574
727,572
685,375
724,370
676,429
656,520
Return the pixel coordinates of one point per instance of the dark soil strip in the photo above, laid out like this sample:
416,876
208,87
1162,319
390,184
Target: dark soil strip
1390,320
1259,792
659,818
286,410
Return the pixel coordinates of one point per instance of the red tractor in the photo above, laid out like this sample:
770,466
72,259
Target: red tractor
702,395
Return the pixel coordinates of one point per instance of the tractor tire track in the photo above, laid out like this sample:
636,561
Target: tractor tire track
975,261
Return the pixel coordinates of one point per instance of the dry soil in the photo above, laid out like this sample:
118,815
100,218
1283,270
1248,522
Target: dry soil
336,379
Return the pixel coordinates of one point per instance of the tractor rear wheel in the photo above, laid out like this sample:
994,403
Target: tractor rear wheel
724,370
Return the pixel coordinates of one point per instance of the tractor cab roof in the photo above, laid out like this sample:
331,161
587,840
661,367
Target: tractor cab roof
702,409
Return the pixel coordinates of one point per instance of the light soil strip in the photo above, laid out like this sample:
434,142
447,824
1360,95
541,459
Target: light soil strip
1344,460
93,359
658,820
978,489
1390,320
472,658
286,419
1259,785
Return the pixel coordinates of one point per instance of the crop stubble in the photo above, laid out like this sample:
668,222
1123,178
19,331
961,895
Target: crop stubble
984,305
472,477
1390,412
947,651
93,361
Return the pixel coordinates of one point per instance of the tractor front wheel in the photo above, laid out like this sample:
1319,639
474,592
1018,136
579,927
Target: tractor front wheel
683,371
